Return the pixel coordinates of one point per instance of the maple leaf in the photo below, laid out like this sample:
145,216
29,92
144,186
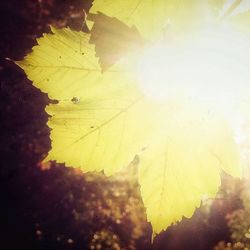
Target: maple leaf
103,119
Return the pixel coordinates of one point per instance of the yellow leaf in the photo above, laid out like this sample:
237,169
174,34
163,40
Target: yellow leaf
182,165
151,17
63,64
102,119
96,124
103,132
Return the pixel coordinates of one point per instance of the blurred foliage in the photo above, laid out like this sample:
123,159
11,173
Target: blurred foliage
91,209
238,222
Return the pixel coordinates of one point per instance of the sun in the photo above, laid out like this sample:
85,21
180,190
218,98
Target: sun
209,67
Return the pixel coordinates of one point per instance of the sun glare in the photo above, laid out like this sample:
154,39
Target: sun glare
210,67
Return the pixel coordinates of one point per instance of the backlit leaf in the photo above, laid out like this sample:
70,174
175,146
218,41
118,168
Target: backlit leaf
96,124
182,165
56,58
103,132
151,17
103,119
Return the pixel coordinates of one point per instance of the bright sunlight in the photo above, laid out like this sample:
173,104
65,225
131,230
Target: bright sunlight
210,66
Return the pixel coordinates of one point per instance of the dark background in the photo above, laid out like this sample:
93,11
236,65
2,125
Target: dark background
53,207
